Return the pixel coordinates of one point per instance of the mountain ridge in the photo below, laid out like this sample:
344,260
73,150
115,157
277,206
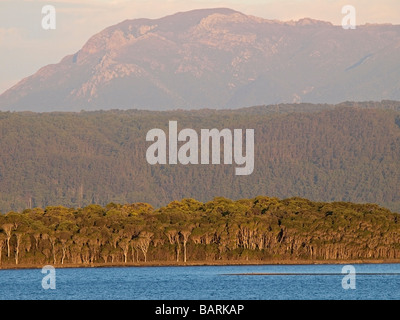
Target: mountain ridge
347,152
217,58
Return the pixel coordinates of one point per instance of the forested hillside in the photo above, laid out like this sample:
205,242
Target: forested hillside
258,229
349,152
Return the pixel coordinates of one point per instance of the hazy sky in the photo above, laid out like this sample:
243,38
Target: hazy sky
25,46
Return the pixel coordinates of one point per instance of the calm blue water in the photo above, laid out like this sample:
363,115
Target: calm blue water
203,283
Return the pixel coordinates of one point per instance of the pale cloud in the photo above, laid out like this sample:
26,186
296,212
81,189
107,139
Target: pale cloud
370,10
13,34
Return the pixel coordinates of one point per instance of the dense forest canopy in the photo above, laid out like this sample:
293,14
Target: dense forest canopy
347,152
258,229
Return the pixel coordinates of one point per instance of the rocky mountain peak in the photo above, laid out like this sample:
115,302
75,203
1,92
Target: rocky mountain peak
216,58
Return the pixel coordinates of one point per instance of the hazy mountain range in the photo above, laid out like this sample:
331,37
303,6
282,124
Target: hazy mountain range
216,58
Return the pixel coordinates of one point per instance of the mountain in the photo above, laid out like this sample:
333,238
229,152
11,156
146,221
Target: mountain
216,58
346,152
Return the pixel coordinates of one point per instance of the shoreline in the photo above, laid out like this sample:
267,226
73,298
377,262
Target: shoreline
154,264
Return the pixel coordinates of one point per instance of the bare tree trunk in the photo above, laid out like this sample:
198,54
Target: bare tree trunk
8,230
185,234
19,238
64,251
178,248
173,237
124,245
133,252
53,247
36,236
8,246
144,243
1,248
144,246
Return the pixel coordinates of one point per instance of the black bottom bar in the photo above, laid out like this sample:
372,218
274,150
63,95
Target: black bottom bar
116,310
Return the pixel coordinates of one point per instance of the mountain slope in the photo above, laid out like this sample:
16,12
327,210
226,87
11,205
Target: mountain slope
216,58
348,152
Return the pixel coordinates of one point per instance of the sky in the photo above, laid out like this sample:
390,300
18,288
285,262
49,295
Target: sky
25,46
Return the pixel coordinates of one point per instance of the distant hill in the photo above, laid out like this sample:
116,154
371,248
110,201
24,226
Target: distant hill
216,58
347,152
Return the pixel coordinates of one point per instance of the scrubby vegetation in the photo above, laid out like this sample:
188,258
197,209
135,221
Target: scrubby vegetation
258,229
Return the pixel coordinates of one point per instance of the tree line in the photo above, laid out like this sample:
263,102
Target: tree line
257,229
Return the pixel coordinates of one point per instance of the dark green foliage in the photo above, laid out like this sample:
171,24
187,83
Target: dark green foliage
350,152
222,229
